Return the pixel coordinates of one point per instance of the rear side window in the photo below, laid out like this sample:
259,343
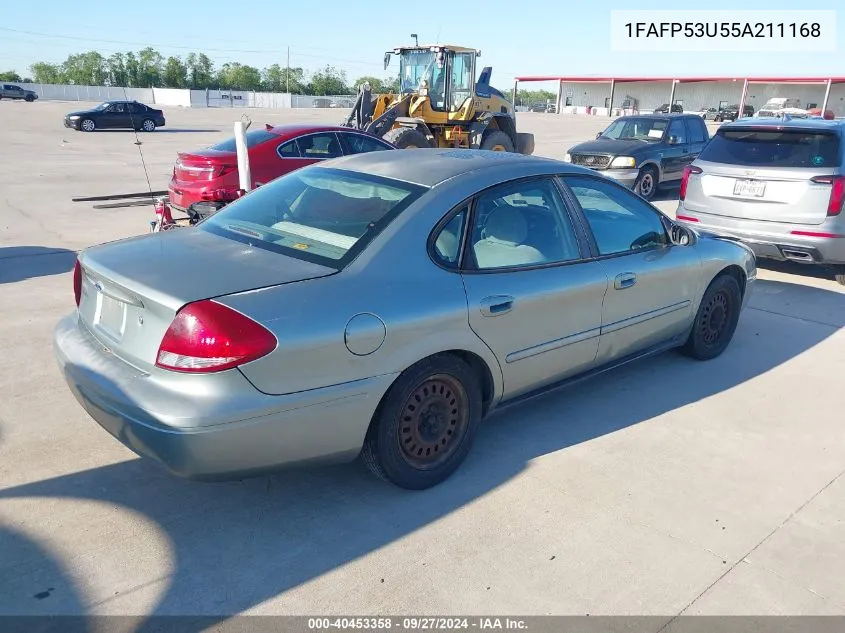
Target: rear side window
773,148
697,131
252,138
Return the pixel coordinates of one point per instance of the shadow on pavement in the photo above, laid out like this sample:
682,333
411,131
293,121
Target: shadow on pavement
794,268
18,263
238,544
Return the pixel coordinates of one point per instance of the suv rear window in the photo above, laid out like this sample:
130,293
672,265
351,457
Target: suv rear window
252,138
326,216
773,148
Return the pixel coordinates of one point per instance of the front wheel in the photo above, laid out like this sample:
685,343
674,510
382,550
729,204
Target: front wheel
87,125
716,319
406,138
646,184
497,141
425,425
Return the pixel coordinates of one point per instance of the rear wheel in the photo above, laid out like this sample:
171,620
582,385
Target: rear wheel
406,138
839,274
646,184
496,141
425,425
148,125
716,319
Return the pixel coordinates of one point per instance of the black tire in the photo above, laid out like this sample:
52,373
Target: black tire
426,423
91,128
496,141
29,98
647,182
839,274
716,319
406,138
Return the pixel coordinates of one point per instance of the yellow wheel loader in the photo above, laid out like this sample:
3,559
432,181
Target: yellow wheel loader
440,104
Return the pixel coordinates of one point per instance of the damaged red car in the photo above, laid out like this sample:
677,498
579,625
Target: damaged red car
211,174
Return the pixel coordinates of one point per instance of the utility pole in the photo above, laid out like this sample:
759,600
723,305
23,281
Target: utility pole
287,74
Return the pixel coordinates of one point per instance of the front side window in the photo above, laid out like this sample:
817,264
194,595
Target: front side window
678,130
361,144
522,224
619,219
322,215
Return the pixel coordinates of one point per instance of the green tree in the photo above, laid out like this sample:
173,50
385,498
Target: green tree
236,76
200,71
116,69
45,73
85,69
150,65
175,73
279,79
376,84
11,75
328,81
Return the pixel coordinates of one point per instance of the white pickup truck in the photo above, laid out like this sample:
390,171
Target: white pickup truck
780,105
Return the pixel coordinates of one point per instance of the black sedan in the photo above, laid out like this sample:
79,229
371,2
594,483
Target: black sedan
116,114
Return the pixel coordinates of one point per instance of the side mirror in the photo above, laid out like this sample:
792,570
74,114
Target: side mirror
673,140
599,134
386,60
680,235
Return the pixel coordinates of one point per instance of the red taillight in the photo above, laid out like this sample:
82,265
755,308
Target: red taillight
837,192
685,218
816,234
688,170
77,282
207,336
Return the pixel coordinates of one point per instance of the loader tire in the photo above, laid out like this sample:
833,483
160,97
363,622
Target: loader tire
497,141
406,138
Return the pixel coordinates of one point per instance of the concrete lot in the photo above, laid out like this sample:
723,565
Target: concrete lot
667,487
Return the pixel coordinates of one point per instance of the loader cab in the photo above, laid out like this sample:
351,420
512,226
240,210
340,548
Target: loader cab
445,74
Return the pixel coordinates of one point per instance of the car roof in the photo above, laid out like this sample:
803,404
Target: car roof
293,129
432,166
799,124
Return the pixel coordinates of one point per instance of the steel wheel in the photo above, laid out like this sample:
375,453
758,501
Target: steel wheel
426,423
434,420
647,184
148,125
88,125
714,317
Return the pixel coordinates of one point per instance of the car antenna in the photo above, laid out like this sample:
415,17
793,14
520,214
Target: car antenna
138,143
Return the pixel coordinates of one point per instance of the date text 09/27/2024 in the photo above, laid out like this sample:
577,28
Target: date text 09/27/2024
724,29
415,623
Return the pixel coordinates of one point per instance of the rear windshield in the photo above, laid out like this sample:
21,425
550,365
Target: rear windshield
318,214
773,148
252,138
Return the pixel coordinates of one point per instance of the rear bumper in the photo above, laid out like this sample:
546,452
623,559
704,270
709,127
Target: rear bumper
252,432
813,244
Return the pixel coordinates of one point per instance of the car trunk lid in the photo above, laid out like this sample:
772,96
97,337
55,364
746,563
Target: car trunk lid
204,165
767,174
132,289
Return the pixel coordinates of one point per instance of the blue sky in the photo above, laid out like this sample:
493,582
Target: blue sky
516,38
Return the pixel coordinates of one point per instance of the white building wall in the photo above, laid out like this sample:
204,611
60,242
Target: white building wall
695,96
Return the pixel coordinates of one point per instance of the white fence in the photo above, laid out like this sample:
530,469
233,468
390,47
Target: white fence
189,98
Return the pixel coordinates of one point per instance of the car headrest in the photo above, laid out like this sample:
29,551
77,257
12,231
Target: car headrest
506,224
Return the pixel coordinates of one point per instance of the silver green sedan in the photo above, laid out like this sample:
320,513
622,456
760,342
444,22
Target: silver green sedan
380,305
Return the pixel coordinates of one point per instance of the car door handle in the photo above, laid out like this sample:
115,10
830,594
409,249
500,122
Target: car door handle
496,305
624,280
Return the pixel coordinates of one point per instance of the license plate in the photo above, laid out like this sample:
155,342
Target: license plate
111,316
749,188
